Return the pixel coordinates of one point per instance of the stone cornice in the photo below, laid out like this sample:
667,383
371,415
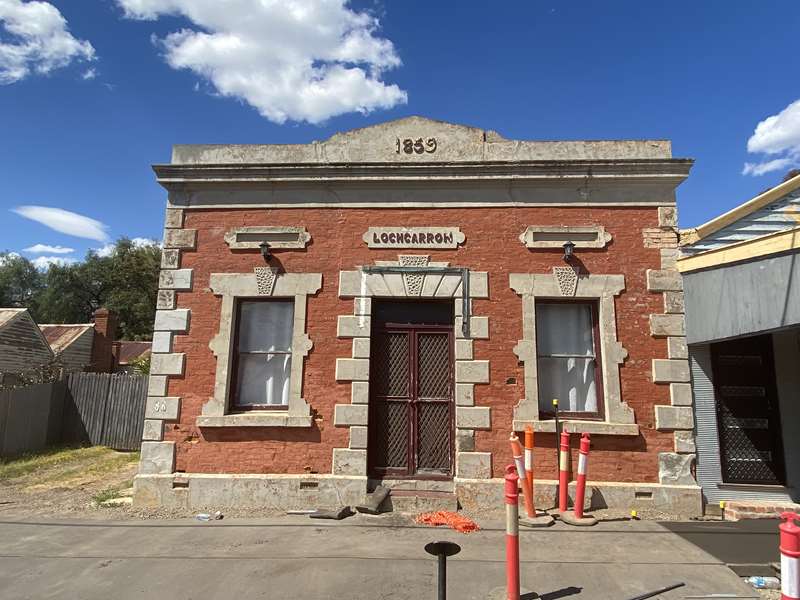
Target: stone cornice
662,171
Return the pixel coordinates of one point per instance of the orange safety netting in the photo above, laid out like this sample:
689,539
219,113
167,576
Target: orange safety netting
451,519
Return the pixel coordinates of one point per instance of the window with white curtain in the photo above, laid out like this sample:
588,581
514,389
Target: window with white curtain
264,353
567,357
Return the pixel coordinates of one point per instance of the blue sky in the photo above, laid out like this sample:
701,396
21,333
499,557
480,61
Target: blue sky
93,92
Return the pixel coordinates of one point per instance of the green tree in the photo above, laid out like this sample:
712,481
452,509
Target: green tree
21,284
124,281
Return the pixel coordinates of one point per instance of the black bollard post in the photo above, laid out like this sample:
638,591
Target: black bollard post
442,550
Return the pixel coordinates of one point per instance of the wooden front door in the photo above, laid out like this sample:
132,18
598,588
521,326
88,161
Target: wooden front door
411,401
748,421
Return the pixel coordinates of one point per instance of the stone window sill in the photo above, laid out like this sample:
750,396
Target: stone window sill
256,419
576,426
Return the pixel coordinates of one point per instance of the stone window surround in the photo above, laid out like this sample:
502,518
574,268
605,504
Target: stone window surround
619,417
602,237
362,287
233,287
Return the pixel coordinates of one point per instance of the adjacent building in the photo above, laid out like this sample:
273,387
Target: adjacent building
741,274
389,304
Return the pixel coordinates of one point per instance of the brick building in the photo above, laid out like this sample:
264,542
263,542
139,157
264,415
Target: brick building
387,305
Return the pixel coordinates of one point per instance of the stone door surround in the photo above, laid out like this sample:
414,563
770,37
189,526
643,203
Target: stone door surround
363,287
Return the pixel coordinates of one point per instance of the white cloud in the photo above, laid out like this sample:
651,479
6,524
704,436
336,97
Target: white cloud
43,248
89,74
43,262
138,242
36,40
776,135
300,60
65,221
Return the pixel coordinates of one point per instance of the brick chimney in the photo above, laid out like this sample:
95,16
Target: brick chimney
105,330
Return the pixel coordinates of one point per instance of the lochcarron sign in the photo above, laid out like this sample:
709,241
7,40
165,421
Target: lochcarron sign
413,237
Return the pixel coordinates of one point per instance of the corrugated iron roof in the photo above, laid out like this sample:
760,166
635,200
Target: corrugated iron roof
61,336
126,351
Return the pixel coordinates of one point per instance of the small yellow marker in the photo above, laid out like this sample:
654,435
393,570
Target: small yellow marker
634,515
555,402
722,504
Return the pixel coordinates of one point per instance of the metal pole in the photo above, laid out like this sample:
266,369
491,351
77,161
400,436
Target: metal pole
442,577
442,550
558,451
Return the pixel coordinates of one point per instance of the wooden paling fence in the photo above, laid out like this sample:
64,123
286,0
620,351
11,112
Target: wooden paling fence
86,408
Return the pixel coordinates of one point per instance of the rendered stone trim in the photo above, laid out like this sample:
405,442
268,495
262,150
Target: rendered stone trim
578,426
664,280
589,287
567,233
170,258
669,258
680,394
165,300
172,320
358,437
363,287
465,440
670,371
669,418
167,364
157,385
684,442
667,325
674,303
349,462
157,458
415,237
232,286
667,217
345,415
268,232
675,469
677,348
183,239
271,418
162,342
167,408
473,417
175,279
173,219
153,430
474,465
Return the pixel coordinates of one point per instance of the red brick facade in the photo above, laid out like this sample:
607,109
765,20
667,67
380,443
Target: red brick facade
492,245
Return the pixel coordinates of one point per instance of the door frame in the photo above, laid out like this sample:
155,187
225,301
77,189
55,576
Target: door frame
411,471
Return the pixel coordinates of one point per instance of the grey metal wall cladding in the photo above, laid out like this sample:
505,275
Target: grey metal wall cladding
742,299
776,216
709,471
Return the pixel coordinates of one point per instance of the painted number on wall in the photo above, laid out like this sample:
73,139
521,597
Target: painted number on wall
159,406
416,146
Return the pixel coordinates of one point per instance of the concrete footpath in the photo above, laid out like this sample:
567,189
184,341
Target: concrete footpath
361,557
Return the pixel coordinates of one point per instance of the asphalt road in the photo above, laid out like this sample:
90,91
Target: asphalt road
362,557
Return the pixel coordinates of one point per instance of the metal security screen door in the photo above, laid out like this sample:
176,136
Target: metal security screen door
751,448
411,392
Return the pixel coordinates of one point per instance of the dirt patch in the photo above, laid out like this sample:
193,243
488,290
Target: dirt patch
65,482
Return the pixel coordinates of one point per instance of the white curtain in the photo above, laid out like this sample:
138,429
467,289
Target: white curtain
565,347
265,360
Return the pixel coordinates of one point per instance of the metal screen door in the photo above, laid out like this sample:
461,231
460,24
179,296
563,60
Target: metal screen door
411,401
751,447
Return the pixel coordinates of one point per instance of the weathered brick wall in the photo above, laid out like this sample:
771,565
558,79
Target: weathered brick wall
491,245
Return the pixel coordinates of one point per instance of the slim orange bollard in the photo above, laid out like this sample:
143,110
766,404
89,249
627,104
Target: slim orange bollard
519,462
529,470
512,533
580,488
563,472
790,556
